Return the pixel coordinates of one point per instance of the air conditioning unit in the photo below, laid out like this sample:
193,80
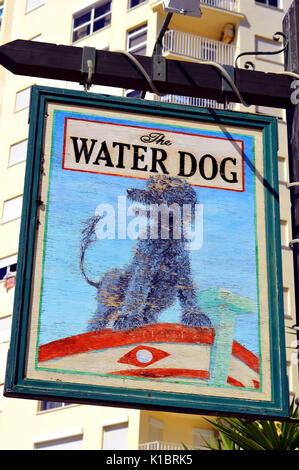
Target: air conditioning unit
183,7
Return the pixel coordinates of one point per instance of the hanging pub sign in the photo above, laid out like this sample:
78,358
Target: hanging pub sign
149,270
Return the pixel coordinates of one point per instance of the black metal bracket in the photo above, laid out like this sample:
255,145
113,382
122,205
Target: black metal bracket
276,38
225,86
159,62
159,65
88,66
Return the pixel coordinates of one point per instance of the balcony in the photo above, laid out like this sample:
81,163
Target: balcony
231,5
191,101
215,15
189,47
192,46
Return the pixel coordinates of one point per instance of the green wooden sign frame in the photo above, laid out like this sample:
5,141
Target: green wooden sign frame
20,385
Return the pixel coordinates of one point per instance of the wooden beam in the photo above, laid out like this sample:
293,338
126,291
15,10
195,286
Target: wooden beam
115,69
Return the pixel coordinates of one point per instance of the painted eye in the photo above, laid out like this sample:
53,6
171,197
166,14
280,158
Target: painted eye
143,356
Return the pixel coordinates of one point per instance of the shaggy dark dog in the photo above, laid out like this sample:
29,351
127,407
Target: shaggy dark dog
160,270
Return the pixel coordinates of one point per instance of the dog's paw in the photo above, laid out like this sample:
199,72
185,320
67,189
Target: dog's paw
127,322
196,319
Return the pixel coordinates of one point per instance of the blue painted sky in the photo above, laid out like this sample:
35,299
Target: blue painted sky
226,259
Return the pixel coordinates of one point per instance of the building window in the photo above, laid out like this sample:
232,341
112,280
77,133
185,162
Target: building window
8,265
8,271
32,4
91,20
268,45
136,44
136,40
135,3
23,99
68,443
115,437
12,209
18,152
271,3
5,328
51,405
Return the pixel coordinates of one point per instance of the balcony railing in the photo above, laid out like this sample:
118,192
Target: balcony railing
231,5
191,101
198,47
160,445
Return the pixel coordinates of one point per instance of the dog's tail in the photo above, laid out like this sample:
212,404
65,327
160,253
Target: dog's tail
89,237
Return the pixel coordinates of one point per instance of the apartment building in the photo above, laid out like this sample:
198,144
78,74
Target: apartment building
226,28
